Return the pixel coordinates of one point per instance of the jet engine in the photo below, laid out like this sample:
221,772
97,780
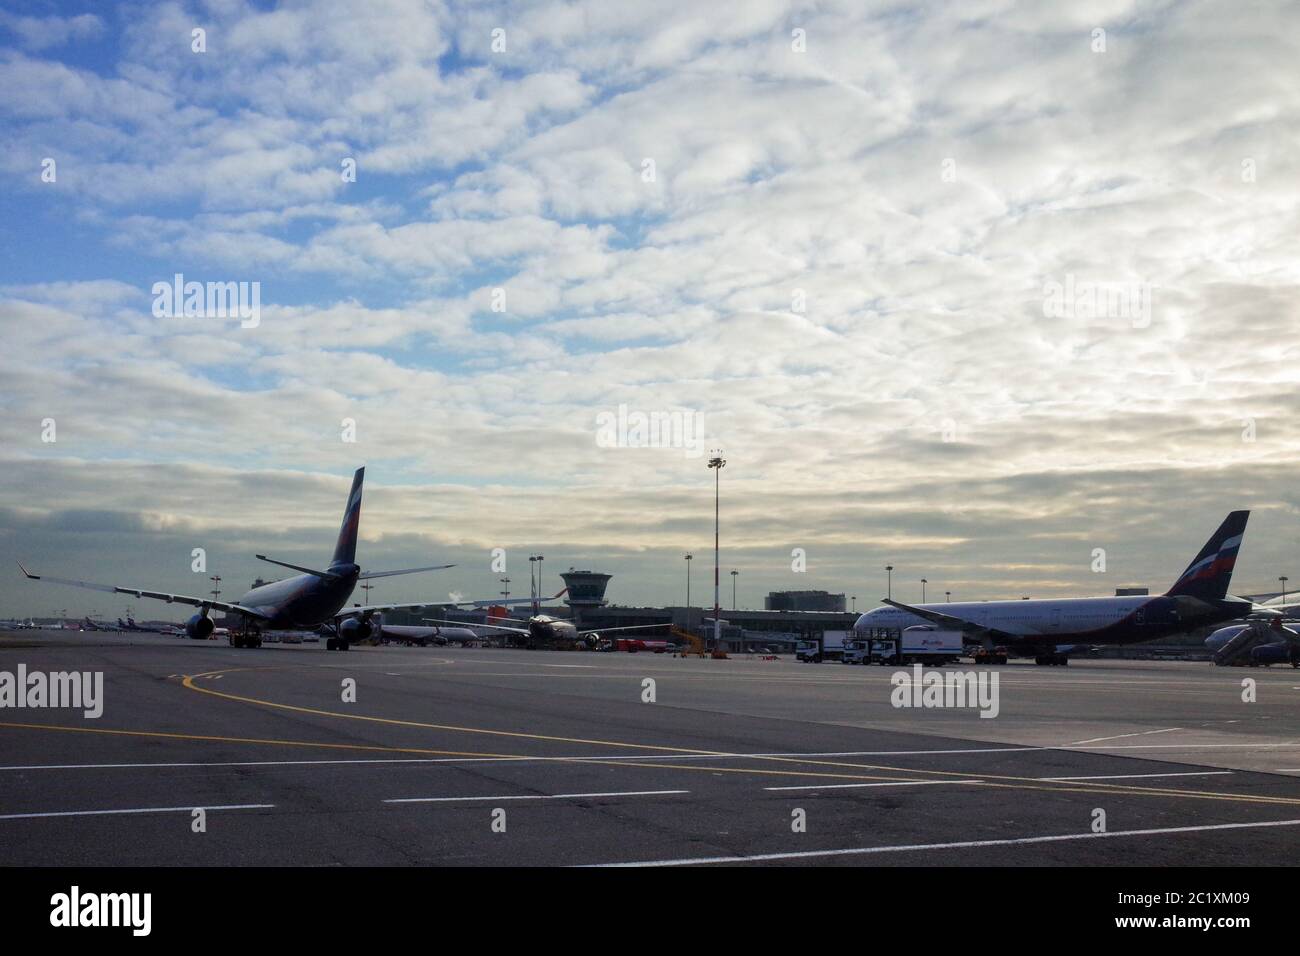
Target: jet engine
354,629
199,627
1282,652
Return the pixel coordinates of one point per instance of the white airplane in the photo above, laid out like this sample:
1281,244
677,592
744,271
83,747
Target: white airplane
423,634
1049,629
542,630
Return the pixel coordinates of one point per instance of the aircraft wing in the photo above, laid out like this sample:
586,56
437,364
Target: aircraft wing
972,628
495,627
1273,605
356,609
609,630
367,575
508,602
155,595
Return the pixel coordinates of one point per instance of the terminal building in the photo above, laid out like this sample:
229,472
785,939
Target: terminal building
804,601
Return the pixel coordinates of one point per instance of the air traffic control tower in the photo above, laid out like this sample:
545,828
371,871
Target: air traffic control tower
586,590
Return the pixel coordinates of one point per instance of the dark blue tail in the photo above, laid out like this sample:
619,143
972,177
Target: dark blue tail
1208,575
345,551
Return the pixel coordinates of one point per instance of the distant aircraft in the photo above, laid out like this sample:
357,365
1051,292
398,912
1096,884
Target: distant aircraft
130,625
542,630
423,634
1041,628
306,600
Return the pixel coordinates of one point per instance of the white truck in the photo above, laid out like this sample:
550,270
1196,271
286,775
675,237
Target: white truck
922,644
829,648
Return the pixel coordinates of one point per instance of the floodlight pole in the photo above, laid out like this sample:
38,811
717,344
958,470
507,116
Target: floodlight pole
717,462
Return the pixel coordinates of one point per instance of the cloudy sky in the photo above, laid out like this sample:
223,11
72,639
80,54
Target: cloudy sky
972,289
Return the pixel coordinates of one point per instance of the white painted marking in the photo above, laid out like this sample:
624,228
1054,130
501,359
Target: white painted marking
901,783
523,758
1144,776
96,813
1290,744
1143,733
541,796
966,845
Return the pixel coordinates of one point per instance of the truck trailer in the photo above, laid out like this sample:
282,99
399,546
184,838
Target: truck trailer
922,644
829,648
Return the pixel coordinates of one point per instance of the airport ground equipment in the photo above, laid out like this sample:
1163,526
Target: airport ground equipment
1255,643
634,644
1052,658
990,655
829,648
692,641
920,644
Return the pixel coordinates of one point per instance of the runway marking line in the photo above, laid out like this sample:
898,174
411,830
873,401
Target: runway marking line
97,813
540,796
855,786
962,845
1137,776
1028,783
243,740
1138,733
1025,783
520,758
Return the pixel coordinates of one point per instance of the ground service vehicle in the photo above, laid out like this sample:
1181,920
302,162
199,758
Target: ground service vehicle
829,648
920,644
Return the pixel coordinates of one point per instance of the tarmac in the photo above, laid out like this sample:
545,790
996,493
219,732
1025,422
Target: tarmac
451,756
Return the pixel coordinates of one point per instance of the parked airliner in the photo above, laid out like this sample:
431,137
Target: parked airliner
306,600
1198,598
543,630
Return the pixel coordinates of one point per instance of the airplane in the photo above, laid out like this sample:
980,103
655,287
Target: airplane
1045,628
425,634
437,633
543,630
307,600
1257,642
130,625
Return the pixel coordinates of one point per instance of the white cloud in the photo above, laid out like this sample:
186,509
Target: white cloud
803,269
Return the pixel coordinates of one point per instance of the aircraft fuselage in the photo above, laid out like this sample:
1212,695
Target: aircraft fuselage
1103,620
304,600
543,627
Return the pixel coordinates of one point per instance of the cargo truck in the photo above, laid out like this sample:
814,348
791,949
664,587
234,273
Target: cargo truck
922,644
829,648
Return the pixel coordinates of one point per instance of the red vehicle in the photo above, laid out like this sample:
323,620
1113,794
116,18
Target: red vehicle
634,644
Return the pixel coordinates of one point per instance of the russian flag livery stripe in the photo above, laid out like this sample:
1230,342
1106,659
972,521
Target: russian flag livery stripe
1210,572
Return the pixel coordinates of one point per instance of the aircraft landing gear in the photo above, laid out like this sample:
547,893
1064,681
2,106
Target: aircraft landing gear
249,635
1053,660
336,644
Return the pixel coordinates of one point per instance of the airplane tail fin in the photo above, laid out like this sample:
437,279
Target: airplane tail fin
1208,575
345,551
